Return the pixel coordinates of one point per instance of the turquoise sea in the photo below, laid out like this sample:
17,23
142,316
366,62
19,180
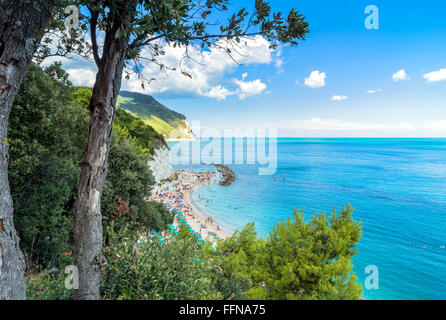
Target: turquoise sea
397,187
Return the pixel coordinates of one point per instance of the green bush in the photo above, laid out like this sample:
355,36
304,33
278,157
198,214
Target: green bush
47,137
43,286
48,131
299,260
129,182
175,269
142,135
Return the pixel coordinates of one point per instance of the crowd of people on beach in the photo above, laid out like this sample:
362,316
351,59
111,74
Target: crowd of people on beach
173,195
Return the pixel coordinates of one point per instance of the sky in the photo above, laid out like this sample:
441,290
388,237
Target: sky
344,80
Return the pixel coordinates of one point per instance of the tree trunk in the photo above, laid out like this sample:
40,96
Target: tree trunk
88,234
22,25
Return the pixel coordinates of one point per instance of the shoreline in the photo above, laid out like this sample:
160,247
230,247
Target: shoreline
200,215
179,140
175,195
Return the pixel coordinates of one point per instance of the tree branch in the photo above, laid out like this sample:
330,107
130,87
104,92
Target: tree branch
94,42
136,44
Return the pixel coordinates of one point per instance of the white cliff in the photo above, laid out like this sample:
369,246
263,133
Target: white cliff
160,165
182,133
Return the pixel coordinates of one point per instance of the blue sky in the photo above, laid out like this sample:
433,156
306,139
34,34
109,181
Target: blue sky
270,91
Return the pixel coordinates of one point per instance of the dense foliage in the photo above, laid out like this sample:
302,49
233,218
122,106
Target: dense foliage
143,136
174,269
298,260
48,132
126,125
128,182
47,135
46,286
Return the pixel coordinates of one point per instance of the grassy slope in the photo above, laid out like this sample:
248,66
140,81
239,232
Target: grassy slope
161,118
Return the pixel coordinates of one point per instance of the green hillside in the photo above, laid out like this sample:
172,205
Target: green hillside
158,116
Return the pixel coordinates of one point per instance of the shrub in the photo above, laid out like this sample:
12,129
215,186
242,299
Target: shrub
45,286
175,269
47,136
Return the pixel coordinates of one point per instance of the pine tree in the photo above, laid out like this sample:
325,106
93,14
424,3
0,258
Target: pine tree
299,260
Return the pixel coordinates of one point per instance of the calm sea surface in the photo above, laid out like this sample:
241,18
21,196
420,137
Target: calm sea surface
397,187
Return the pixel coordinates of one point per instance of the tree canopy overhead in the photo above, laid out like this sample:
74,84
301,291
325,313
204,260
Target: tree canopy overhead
182,23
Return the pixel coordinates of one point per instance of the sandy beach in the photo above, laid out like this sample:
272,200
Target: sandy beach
175,196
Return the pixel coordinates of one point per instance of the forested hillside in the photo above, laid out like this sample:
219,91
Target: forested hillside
161,118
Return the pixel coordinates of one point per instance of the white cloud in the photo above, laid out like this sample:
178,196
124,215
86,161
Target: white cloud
338,98
218,92
337,127
82,77
278,63
435,76
373,91
249,88
207,68
435,129
82,71
400,76
438,125
342,125
316,79
329,127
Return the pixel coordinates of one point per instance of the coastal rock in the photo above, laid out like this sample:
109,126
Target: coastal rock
228,175
160,165
182,133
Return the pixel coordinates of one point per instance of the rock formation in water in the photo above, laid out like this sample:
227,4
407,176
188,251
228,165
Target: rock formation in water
228,175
